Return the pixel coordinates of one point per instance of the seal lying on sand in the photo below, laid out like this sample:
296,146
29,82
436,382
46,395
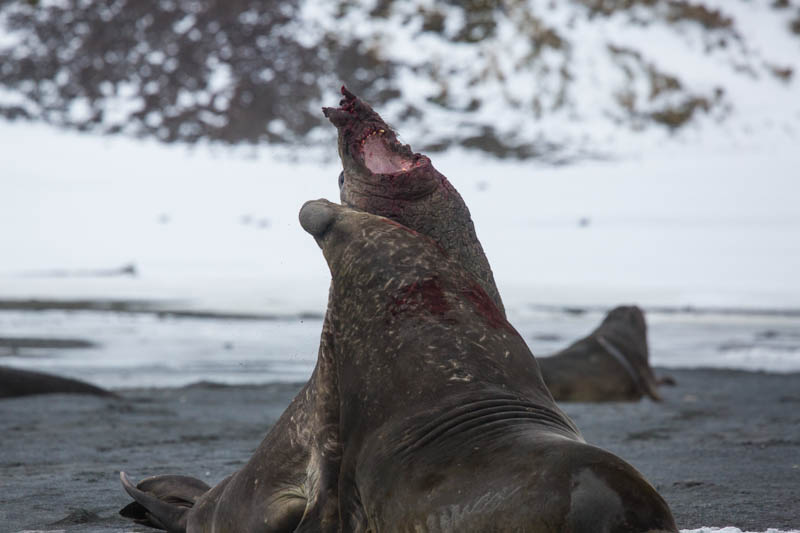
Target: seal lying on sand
611,364
17,382
444,421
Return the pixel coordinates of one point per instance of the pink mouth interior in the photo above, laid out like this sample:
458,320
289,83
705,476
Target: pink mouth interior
380,159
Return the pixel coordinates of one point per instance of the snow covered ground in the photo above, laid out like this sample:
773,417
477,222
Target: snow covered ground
215,229
218,228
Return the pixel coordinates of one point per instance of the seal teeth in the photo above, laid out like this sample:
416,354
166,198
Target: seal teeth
369,133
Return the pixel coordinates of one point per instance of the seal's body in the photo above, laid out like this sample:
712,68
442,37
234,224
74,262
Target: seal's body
18,382
444,421
611,364
267,495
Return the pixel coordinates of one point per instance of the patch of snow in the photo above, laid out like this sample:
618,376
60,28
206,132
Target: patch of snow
681,226
185,24
80,110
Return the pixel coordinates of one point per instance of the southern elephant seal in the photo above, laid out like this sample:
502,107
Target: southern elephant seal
610,364
274,485
386,178
18,382
444,421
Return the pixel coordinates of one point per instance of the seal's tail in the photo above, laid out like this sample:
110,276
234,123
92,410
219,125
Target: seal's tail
162,502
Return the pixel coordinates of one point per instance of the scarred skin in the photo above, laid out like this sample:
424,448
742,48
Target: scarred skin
611,364
445,423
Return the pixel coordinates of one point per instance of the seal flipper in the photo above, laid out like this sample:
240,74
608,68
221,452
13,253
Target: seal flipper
162,502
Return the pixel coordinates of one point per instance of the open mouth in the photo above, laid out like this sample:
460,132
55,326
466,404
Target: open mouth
381,155
368,139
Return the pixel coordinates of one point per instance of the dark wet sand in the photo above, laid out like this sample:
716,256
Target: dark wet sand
723,449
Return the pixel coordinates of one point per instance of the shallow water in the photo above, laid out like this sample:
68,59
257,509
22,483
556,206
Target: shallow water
148,350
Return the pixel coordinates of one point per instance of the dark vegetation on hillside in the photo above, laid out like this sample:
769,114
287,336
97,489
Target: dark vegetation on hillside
252,71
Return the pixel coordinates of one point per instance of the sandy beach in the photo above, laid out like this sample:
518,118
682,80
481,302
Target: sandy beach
723,449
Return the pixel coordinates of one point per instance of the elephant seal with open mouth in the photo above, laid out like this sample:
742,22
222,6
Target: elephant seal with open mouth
444,422
384,177
274,485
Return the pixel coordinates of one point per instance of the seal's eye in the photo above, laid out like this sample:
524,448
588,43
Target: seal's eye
341,179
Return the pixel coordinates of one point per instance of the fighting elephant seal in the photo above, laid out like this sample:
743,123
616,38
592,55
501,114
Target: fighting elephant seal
610,364
384,177
273,486
444,423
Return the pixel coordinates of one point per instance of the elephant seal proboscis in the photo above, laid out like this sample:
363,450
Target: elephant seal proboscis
611,364
444,422
384,177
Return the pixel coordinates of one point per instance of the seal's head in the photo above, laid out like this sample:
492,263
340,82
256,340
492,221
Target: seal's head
624,330
384,177
361,244
381,175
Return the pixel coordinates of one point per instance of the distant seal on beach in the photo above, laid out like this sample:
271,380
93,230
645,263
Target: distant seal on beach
17,382
443,420
610,364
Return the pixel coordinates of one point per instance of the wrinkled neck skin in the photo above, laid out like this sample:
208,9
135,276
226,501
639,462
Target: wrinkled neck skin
384,177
